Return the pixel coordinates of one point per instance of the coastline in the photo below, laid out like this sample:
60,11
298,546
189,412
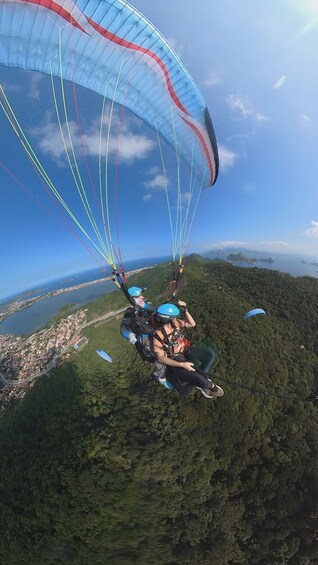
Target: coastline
18,305
28,358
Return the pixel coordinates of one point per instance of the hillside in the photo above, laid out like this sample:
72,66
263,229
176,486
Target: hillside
242,258
102,465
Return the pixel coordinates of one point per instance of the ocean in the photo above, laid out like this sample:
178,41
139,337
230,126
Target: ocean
295,265
37,316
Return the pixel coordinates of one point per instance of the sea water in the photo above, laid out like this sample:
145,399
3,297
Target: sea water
37,316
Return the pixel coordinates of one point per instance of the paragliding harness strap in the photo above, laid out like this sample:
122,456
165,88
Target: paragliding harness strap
167,343
120,281
146,350
175,280
144,346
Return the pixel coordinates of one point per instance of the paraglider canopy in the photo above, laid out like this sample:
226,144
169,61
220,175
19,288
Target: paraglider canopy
111,48
104,355
254,312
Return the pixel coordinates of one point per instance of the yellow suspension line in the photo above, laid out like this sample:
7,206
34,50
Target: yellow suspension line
107,151
195,210
179,195
167,197
100,169
183,231
104,252
77,179
39,167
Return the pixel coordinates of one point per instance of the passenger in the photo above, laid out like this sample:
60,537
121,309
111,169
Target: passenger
170,345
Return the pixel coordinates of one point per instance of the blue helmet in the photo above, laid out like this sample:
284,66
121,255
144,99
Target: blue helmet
135,291
167,312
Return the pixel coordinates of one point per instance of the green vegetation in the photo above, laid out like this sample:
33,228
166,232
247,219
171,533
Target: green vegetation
102,465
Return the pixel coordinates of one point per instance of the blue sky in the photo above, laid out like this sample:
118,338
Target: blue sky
256,66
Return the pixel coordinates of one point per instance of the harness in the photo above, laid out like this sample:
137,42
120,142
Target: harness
121,282
169,341
145,350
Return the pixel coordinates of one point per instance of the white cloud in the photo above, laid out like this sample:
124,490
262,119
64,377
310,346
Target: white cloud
212,80
158,181
260,118
227,157
240,104
176,46
11,87
187,197
34,90
153,171
305,120
49,138
252,245
244,107
131,146
313,231
147,197
279,83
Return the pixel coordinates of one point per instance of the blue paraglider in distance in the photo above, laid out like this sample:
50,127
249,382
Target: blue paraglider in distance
253,313
104,355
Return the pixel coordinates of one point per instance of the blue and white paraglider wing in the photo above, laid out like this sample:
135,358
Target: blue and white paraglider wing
104,355
109,47
254,312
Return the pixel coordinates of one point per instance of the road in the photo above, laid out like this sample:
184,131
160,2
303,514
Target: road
56,358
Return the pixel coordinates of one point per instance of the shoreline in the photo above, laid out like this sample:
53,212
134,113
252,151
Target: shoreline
18,305
51,344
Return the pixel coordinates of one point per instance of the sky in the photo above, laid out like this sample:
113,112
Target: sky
255,64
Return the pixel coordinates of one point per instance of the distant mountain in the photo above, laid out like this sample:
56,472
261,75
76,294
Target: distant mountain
263,260
241,258
200,260
196,258
258,253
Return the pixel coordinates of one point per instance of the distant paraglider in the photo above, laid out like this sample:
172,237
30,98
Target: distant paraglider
253,312
104,355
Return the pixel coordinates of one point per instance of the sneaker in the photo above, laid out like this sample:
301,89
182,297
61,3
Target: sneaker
212,391
217,390
207,392
165,383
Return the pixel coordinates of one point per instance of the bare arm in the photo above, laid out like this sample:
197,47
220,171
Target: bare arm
162,358
189,321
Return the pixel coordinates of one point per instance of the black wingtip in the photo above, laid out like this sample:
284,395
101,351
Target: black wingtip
211,133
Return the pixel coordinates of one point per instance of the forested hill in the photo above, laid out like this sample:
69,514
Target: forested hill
102,465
